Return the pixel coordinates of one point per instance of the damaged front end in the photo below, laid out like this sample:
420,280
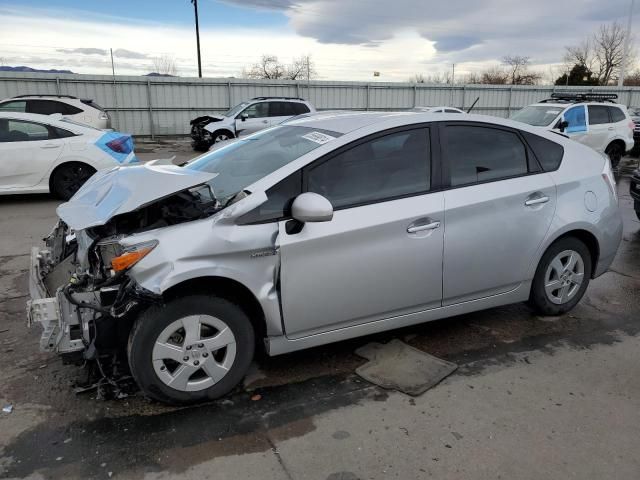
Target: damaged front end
81,292
202,139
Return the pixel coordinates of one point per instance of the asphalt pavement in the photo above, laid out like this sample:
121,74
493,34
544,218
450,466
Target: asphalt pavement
532,398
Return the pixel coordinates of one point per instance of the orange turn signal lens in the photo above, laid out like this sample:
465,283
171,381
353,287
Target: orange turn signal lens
130,258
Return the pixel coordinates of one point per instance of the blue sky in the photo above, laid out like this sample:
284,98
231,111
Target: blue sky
211,12
347,39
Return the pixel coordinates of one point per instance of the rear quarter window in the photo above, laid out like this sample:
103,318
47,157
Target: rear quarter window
548,153
617,115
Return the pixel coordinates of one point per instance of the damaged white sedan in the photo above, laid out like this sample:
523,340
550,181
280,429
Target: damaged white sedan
326,228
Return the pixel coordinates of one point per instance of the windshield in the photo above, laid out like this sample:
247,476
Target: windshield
234,111
537,115
247,160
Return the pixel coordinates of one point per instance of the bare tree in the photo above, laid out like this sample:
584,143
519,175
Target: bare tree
632,79
494,76
602,53
417,78
301,68
165,65
609,50
518,70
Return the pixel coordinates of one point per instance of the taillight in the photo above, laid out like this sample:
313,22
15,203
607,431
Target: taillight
103,116
609,179
121,145
632,126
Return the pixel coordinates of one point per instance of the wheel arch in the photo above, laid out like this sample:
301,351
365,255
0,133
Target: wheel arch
586,237
617,141
223,129
64,163
229,289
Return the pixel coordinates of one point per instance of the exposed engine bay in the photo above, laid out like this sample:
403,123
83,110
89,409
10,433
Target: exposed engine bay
85,300
201,138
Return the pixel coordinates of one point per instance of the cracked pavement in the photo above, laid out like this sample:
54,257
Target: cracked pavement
533,397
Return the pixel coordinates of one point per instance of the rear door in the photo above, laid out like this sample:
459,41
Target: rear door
381,254
499,206
280,111
27,152
600,127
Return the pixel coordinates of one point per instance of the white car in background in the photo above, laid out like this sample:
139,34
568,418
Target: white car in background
80,110
246,118
589,118
45,153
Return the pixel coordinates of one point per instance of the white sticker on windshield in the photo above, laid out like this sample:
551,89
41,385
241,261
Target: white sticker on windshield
318,137
551,112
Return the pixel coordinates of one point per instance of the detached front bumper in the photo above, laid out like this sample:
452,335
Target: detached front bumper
63,330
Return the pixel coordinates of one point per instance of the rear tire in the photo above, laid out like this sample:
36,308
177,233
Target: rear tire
615,152
561,278
67,179
191,349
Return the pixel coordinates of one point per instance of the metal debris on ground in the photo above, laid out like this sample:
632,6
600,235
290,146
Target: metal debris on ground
7,408
398,366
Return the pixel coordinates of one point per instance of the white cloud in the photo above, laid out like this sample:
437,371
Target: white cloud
348,40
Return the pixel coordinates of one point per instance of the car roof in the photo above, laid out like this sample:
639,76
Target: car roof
573,104
346,122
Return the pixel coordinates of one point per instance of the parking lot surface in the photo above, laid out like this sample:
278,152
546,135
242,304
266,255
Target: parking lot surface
533,397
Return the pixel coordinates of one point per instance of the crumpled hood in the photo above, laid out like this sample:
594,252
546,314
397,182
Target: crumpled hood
207,118
111,192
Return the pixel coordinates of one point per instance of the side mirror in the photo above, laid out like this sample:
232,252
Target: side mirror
311,207
244,116
563,125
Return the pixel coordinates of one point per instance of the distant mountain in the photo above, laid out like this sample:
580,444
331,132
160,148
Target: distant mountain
29,69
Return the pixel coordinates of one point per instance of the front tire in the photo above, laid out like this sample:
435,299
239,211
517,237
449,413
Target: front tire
67,179
192,349
561,278
221,136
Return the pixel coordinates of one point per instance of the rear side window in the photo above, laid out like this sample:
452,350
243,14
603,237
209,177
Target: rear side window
617,115
49,107
481,154
281,109
92,104
22,131
18,106
449,110
378,170
62,133
598,114
300,108
548,153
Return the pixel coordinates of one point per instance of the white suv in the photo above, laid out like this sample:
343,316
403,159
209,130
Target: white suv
245,118
80,110
590,118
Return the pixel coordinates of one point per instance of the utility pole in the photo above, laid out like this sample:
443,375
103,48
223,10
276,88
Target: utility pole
195,7
627,39
115,91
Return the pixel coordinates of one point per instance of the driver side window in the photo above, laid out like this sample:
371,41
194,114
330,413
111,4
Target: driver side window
576,119
257,110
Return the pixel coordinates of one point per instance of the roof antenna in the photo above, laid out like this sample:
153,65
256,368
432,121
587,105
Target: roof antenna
473,105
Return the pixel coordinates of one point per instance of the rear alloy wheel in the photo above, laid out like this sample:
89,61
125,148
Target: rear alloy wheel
68,178
192,349
615,153
562,277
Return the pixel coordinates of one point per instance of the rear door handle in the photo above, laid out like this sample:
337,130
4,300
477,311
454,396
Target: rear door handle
536,201
265,121
413,228
49,145
611,128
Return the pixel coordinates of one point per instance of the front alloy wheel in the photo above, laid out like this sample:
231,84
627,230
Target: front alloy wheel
191,349
220,137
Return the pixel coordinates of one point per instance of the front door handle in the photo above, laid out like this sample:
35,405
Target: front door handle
536,201
611,128
49,145
413,228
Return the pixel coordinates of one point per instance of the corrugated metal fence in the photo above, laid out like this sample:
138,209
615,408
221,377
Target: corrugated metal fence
154,106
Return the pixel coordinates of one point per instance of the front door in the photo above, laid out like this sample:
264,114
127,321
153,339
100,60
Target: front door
498,211
381,254
577,119
26,153
252,119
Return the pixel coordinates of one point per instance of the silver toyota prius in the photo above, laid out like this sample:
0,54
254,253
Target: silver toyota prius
321,229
